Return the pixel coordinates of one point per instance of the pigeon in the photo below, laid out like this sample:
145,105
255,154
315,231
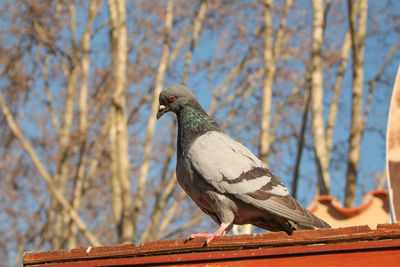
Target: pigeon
224,178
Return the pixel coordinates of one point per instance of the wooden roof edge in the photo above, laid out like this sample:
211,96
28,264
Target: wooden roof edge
348,212
224,243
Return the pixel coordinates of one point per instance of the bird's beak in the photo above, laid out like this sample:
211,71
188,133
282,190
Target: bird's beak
161,110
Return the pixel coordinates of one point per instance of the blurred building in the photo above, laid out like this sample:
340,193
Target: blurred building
373,211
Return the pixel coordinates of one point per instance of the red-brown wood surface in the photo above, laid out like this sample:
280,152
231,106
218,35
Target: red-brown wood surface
352,246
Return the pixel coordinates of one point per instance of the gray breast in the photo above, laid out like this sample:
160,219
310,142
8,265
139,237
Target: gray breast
195,187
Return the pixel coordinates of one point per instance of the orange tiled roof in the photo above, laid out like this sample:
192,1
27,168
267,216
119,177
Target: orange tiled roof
372,211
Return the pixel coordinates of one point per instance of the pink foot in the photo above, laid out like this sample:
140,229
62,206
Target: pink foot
208,237
222,230
201,235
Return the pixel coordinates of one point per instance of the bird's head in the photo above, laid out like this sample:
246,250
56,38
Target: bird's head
173,98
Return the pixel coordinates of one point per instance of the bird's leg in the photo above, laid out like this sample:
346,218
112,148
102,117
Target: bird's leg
228,229
223,229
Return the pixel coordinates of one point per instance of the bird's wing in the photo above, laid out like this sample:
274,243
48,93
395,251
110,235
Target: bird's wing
232,168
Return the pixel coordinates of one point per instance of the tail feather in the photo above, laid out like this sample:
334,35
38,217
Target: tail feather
279,223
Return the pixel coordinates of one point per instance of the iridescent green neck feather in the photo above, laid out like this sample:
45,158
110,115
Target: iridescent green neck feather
193,121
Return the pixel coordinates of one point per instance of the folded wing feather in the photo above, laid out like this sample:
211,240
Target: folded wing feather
232,168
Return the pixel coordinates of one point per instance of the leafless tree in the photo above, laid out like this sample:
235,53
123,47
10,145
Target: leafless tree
82,159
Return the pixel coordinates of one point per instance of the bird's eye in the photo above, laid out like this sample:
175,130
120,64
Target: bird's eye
171,98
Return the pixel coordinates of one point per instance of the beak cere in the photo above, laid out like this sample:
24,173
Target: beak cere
161,111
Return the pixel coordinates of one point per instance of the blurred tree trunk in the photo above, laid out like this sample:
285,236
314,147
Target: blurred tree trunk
317,98
269,66
332,110
151,120
356,128
83,52
271,56
71,72
121,195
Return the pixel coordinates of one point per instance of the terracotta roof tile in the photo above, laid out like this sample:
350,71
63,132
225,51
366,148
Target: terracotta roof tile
372,211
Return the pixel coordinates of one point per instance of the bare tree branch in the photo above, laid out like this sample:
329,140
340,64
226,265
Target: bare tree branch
46,176
49,97
375,80
198,22
317,98
83,113
358,46
169,214
336,93
223,86
301,139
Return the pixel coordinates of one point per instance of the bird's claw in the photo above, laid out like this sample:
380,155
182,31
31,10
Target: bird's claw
208,237
207,243
188,238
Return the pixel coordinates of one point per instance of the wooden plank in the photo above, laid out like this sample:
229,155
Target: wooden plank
384,251
179,248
